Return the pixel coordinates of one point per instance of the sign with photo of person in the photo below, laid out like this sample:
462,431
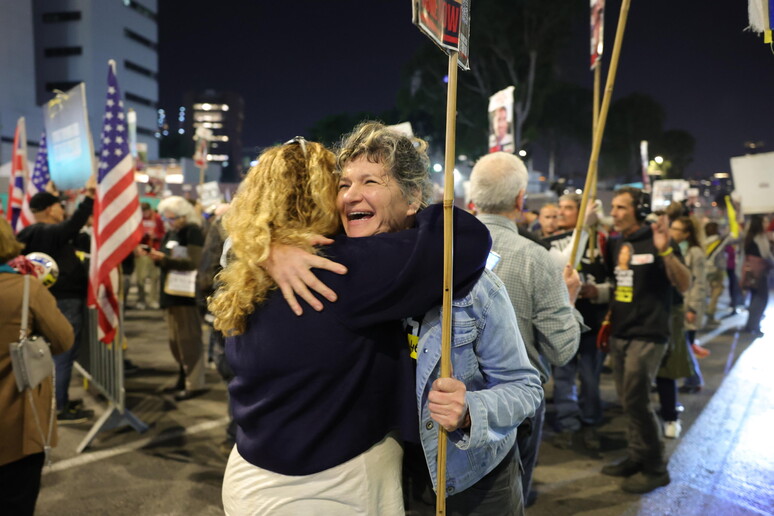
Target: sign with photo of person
597,31
70,148
501,121
447,23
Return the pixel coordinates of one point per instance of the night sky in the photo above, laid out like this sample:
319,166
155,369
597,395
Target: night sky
296,62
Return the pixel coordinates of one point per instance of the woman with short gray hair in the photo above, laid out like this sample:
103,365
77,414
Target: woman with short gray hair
179,257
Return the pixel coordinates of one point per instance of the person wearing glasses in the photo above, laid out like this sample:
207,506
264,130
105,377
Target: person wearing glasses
178,258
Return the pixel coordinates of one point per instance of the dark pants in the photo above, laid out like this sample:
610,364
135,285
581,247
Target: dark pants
733,288
73,312
497,494
667,394
635,363
573,410
759,298
528,438
185,343
20,485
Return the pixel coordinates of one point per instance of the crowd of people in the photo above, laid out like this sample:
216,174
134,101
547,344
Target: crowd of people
320,289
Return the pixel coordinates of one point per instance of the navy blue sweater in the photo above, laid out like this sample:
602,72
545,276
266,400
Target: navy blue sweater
312,392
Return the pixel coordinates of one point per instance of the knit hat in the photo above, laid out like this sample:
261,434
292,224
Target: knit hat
42,200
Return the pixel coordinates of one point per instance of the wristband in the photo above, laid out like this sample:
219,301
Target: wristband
665,253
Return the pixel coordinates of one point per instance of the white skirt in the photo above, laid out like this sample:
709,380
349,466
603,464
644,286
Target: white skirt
369,484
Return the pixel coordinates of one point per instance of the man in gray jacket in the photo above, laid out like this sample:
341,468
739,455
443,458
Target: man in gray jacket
542,298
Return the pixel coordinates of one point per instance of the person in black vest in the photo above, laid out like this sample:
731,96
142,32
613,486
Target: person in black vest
54,235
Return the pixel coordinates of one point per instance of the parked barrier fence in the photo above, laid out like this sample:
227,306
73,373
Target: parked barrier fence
103,367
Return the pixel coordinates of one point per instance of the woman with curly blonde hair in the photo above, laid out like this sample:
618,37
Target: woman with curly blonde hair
317,398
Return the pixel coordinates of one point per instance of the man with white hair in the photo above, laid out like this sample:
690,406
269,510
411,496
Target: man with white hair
541,297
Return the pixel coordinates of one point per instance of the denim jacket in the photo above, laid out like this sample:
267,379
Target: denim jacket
503,389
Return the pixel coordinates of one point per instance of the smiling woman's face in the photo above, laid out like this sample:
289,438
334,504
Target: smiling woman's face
370,201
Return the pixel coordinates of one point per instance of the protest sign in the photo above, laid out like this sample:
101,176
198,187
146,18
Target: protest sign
597,31
754,182
209,194
70,148
501,121
447,23
403,128
667,191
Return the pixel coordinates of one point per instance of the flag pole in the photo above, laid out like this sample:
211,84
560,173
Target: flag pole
594,123
448,260
600,128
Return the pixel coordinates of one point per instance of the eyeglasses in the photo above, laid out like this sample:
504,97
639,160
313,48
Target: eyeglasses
299,140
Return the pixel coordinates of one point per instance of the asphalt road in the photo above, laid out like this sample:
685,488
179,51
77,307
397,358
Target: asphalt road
722,464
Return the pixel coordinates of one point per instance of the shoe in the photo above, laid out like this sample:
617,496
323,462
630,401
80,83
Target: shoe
623,468
130,367
689,389
563,440
139,306
72,416
187,394
679,408
531,498
590,438
672,429
74,404
700,352
183,395
642,482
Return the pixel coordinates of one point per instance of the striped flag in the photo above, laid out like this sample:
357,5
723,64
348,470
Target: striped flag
19,173
117,216
37,183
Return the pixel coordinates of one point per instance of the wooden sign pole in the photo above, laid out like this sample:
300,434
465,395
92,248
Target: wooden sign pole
594,123
600,128
448,260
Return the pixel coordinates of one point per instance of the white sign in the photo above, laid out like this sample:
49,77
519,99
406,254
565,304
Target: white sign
667,191
754,181
209,194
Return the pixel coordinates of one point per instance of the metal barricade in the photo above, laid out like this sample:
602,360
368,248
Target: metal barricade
105,371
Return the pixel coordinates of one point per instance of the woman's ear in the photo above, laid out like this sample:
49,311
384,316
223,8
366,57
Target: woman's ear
413,208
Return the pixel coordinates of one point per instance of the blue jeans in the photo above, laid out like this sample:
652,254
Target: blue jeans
696,380
572,410
73,312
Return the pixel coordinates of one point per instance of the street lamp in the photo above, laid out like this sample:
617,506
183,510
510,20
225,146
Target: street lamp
659,160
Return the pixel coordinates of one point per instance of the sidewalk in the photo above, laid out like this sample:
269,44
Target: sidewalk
723,464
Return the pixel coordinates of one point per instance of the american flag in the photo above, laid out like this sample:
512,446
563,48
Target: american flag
117,216
18,173
37,183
